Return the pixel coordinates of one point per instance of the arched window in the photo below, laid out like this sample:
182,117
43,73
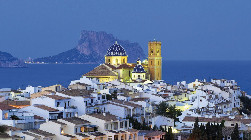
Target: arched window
138,76
157,51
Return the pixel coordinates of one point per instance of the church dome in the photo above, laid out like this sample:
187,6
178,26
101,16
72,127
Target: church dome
116,50
138,69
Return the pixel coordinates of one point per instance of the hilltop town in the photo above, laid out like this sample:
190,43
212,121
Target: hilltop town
118,100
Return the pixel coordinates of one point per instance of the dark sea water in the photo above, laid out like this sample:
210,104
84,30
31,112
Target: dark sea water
173,71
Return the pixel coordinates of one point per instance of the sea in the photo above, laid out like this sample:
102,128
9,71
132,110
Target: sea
172,72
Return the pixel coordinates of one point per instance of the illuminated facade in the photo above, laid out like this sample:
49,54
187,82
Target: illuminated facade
154,60
117,67
116,55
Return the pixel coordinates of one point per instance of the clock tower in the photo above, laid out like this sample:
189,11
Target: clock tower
155,60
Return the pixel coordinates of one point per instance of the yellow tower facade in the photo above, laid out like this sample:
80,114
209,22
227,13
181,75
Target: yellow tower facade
154,60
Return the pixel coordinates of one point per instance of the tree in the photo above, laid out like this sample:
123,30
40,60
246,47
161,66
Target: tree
161,108
173,113
3,128
196,134
14,117
169,135
137,125
246,105
168,111
235,134
155,128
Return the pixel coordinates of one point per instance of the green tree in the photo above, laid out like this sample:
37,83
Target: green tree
196,134
161,108
155,128
14,117
173,113
169,135
235,134
3,128
168,111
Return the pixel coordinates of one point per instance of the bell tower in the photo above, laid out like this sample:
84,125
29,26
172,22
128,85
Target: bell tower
155,60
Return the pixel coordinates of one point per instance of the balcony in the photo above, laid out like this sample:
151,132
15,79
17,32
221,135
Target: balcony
70,109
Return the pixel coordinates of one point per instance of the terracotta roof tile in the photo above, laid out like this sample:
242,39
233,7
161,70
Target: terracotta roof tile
50,109
6,107
41,132
101,70
76,120
78,92
106,117
56,97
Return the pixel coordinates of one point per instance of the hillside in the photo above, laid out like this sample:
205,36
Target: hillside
92,47
7,60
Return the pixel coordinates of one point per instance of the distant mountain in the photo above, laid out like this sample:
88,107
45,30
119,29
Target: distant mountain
7,60
92,48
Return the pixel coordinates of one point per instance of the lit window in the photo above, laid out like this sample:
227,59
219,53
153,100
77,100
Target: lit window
82,129
6,115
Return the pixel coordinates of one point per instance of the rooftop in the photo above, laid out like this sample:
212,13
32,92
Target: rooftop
42,133
101,70
56,97
77,92
76,120
50,109
105,116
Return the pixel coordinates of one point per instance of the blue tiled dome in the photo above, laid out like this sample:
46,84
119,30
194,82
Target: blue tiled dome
116,50
138,69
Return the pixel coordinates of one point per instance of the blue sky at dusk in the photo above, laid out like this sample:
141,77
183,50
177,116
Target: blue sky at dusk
188,29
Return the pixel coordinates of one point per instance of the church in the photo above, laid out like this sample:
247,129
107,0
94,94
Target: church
116,66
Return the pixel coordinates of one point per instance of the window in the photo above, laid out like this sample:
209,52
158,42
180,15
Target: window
6,115
151,51
232,124
68,103
158,62
106,126
91,100
151,62
62,131
58,103
82,129
121,125
109,60
117,61
138,76
124,60
98,98
125,124
76,130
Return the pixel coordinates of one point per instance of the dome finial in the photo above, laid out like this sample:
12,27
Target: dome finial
116,42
